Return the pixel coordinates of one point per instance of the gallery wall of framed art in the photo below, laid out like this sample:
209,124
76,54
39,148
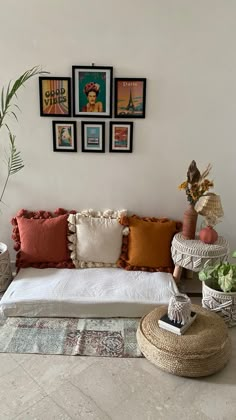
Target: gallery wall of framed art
88,93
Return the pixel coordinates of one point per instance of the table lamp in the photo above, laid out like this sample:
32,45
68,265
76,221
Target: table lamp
209,206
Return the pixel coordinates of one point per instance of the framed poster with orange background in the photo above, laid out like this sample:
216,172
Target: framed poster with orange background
55,96
121,137
130,97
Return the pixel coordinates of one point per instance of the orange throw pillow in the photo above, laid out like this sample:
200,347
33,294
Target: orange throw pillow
148,245
43,240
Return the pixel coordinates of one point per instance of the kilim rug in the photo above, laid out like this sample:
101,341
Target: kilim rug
107,337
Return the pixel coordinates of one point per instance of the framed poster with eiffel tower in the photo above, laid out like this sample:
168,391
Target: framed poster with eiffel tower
130,97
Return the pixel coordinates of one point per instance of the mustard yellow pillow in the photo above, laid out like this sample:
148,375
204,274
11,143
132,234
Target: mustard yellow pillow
148,245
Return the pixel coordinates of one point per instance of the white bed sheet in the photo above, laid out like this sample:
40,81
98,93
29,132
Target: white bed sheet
91,292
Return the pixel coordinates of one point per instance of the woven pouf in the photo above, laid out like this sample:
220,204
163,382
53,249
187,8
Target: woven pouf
203,350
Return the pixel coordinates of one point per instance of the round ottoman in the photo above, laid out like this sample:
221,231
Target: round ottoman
203,350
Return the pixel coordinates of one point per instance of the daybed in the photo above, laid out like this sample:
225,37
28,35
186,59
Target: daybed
118,266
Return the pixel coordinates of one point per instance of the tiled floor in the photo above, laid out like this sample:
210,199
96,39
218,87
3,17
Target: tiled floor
70,387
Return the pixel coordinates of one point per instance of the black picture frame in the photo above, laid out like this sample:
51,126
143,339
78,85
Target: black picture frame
93,136
64,136
130,97
121,137
55,96
87,83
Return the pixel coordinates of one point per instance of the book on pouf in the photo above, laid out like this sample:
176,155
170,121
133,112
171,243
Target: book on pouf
175,327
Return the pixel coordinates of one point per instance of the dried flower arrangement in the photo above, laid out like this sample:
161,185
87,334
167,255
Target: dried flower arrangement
196,184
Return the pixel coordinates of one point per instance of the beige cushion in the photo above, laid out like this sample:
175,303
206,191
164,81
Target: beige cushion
96,238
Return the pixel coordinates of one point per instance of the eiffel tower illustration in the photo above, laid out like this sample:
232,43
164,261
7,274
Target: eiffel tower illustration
130,106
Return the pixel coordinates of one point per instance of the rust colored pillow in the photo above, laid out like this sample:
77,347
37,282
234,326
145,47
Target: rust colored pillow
41,239
148,245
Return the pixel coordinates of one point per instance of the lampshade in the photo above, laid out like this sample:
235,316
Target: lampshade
209,205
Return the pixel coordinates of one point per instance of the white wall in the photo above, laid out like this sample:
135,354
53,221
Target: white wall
186,51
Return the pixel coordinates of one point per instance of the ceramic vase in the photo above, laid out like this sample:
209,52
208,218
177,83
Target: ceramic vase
208,235
189,223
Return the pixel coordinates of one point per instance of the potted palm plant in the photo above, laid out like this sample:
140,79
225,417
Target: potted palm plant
219,290
14,162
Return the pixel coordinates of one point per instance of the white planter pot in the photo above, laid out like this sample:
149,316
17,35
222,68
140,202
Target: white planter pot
5,268
220,302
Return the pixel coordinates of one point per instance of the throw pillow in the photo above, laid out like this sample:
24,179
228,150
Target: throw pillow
96,238
148,245
41,239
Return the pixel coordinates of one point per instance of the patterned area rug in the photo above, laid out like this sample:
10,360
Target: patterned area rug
107,337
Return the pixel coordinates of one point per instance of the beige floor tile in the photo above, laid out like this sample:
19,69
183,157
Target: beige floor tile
45,409
21,358
144,405
110,381
212,396
17,393
52,371
76,404
102,382
7,364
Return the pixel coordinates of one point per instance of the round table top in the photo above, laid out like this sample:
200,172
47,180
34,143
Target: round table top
197,248
206,332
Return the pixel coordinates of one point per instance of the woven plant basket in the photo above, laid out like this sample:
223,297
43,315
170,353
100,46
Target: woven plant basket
5,268
224,304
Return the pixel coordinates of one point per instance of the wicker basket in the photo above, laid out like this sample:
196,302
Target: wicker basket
5,268
220,302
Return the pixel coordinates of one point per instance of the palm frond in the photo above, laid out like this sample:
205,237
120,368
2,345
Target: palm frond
12,89
15,162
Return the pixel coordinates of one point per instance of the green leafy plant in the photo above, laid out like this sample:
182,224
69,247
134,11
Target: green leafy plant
222,276
8,109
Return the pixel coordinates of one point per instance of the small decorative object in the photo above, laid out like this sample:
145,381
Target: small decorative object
121,137
179,308
130,97
208,235
64,136
195,186
209,206
92,91
93,136
55,96
219,290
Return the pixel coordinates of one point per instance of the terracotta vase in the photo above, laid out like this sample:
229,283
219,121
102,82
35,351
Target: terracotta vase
189,223
208,235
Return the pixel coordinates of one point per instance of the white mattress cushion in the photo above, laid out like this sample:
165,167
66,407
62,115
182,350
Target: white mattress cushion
96,292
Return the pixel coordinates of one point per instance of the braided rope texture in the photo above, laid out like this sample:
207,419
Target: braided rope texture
204,349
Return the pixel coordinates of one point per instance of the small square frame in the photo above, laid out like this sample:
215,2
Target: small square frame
55,96
93,136
121,137
64,136
130,97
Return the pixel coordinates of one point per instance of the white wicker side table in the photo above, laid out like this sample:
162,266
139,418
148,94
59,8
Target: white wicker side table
194,254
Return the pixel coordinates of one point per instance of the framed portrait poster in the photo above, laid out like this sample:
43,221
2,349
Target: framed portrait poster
121,137
92,91
64,136
130,97
55,96
93,136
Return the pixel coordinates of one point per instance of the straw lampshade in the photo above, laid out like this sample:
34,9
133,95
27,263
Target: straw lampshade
209,205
